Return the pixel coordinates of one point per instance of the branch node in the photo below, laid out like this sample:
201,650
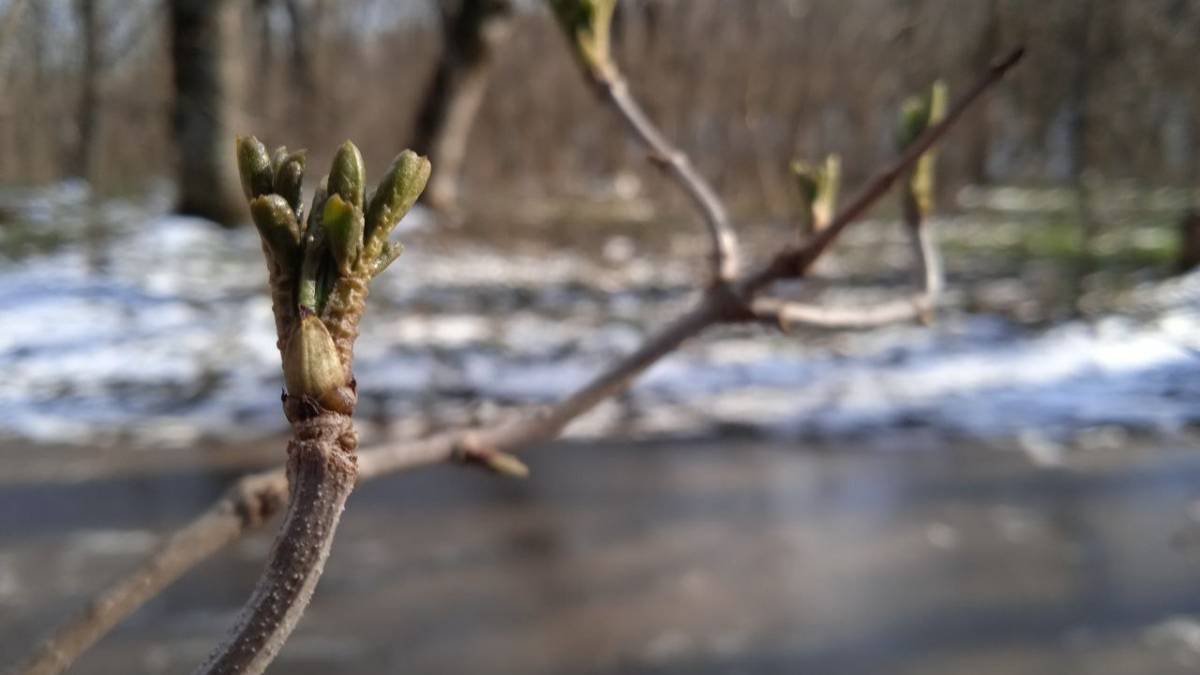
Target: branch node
470,452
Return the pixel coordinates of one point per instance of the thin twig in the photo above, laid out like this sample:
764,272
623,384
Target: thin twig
790,314
255,499
723,239
919,306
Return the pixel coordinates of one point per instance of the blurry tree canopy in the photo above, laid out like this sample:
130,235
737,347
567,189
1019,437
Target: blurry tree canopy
713,68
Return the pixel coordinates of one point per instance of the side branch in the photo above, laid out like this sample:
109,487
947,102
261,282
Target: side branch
723,239
919,306
794,262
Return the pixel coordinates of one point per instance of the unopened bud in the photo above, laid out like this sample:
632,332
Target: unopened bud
588,24
310,362
347,175
919,113
254,166
277,225
343,225
277,156
289,178
807,181
397,192
818,187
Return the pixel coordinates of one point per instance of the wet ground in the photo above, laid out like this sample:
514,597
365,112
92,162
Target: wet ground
1010,491
731,557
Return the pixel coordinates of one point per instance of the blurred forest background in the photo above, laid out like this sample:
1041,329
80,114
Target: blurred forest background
1108,92
1013,489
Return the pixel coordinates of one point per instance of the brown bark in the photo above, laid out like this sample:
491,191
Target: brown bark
87,116
321,473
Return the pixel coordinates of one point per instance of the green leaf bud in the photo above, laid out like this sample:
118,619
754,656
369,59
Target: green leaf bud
310,361
277,225
289,179
277,156
254,166
588,25
397,192
343,225
347,175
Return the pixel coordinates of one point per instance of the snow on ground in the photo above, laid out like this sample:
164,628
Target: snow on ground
162,334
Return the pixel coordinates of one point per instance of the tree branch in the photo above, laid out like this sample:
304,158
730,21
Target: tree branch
724,243
794,262
254,499
919,306
321,474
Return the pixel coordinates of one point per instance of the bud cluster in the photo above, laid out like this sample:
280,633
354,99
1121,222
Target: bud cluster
319,273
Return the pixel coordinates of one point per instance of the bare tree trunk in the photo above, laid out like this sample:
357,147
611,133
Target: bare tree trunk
38,166
89,99
1188,257
301,56
979,144
265,67
303,20
204,34
1080,96
472,30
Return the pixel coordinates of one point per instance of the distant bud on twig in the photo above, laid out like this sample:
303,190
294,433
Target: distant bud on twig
343,225
818,188
254,165
917,114
588,25
348,175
